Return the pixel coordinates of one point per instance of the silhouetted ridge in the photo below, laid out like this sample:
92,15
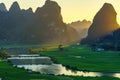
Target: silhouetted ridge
45,26
27,12
52,5
15,7
3,7
104,23
49,19
107,14
30,10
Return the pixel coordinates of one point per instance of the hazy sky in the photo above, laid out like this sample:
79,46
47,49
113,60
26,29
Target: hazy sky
72,10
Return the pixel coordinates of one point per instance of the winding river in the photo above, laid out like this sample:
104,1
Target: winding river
58,69
51,68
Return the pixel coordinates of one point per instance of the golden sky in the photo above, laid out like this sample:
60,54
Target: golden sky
72,10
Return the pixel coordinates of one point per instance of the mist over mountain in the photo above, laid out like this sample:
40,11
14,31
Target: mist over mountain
103,24
81,27
45,26
80,24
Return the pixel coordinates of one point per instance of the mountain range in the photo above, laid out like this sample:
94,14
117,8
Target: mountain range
44,26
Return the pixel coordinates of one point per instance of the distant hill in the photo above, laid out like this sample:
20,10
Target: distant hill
81,27
80,24
45,26
103,24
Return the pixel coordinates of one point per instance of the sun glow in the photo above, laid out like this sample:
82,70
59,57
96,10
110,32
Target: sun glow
118,19
72,10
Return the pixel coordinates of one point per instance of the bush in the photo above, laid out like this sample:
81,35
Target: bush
4,54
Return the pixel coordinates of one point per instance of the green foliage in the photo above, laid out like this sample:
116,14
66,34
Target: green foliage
4,54
43,49
83,58
7,72
31,51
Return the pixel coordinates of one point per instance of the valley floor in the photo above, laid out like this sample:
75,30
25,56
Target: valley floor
73,57
83,58
7,72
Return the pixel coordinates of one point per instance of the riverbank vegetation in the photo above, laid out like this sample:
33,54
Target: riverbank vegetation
7,72
74,57
83,58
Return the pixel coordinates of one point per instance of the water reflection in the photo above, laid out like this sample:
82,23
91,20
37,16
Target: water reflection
117,75
35,63
58,69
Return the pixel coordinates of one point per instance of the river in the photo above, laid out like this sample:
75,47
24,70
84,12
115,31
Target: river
50,68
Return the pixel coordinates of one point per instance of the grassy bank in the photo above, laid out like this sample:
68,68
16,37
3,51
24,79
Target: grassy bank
76,57
7,72
82,58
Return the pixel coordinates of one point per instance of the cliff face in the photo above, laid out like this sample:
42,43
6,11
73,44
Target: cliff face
50,26
104,23
45,26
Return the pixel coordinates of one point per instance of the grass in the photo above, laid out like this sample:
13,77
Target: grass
7,72
28,46
82,58
19,46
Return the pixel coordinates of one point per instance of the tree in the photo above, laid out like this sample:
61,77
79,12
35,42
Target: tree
31,51
60,47
4,54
